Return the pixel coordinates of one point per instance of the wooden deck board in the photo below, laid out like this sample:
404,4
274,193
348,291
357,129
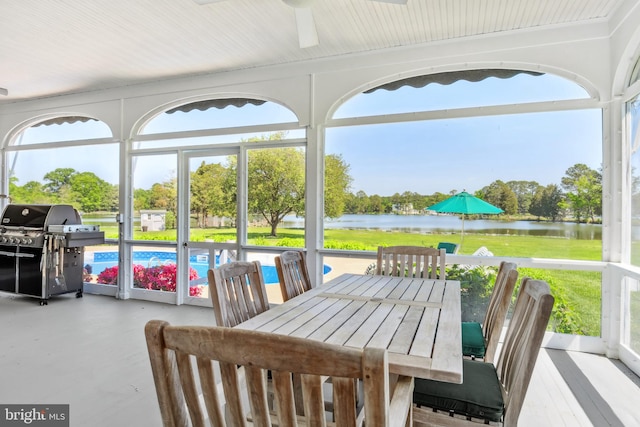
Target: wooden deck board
91,354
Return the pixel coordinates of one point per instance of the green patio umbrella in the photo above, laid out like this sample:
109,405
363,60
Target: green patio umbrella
465,204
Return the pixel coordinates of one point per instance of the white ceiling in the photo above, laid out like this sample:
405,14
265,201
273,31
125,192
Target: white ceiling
54,47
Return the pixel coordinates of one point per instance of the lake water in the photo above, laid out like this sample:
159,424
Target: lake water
440,224
452,224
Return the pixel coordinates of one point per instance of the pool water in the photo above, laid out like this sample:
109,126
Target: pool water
200,263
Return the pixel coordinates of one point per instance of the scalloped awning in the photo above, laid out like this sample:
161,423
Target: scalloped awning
216,103
451,77
64,119
199,105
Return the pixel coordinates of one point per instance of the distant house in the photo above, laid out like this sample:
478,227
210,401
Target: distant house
152,220
404,209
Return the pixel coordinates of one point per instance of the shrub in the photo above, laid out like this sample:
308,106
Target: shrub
476,285
291,242
157,278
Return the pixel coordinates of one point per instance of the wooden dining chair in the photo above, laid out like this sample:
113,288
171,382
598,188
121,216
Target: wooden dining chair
490,393
237,292
411,261
480,340
245,356
292,274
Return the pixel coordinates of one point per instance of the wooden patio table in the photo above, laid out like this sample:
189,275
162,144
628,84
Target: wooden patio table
417,320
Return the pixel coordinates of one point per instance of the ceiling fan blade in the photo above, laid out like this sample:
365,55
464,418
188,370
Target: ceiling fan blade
391,1
307,34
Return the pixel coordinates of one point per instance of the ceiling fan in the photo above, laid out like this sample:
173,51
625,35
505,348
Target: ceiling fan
307,34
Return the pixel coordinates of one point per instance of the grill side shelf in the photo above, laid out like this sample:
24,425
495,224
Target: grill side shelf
84,238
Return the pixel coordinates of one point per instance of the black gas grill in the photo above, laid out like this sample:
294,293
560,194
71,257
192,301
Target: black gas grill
42,250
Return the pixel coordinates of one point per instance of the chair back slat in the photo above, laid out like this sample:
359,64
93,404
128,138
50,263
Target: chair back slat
344,398
284,398
257,390
293,274
498,307
237,292
522,344
238,392
210,391
411,261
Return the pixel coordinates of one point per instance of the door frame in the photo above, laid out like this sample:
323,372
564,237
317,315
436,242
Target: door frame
185,245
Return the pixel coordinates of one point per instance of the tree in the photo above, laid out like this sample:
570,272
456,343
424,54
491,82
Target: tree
31,192
58,179
546,202
336,185
90,192
209,193
524,191
376,204
141,199
583,187
358,203
501,195
163,196
276,184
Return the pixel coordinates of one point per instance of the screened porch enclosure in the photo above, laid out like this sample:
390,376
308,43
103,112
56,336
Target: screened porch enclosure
336,152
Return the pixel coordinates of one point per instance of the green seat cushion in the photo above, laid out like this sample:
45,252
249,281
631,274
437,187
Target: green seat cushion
472,339
479,395
449,248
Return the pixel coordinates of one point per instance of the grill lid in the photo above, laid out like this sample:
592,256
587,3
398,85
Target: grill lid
39,216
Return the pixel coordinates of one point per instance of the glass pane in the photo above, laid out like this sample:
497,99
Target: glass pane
85,177
522,88
632,318
99,258
213,118
64,132
153,268
213,198
633,120
578,299
200,261
398,170
276,190
154,197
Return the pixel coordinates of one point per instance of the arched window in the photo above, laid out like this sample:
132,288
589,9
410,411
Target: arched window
51,161
522,141
69,160
243,163
633,136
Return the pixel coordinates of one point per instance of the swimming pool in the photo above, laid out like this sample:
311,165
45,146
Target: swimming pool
200,263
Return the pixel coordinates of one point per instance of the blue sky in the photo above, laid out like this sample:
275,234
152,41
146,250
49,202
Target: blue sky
459,154
423,157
